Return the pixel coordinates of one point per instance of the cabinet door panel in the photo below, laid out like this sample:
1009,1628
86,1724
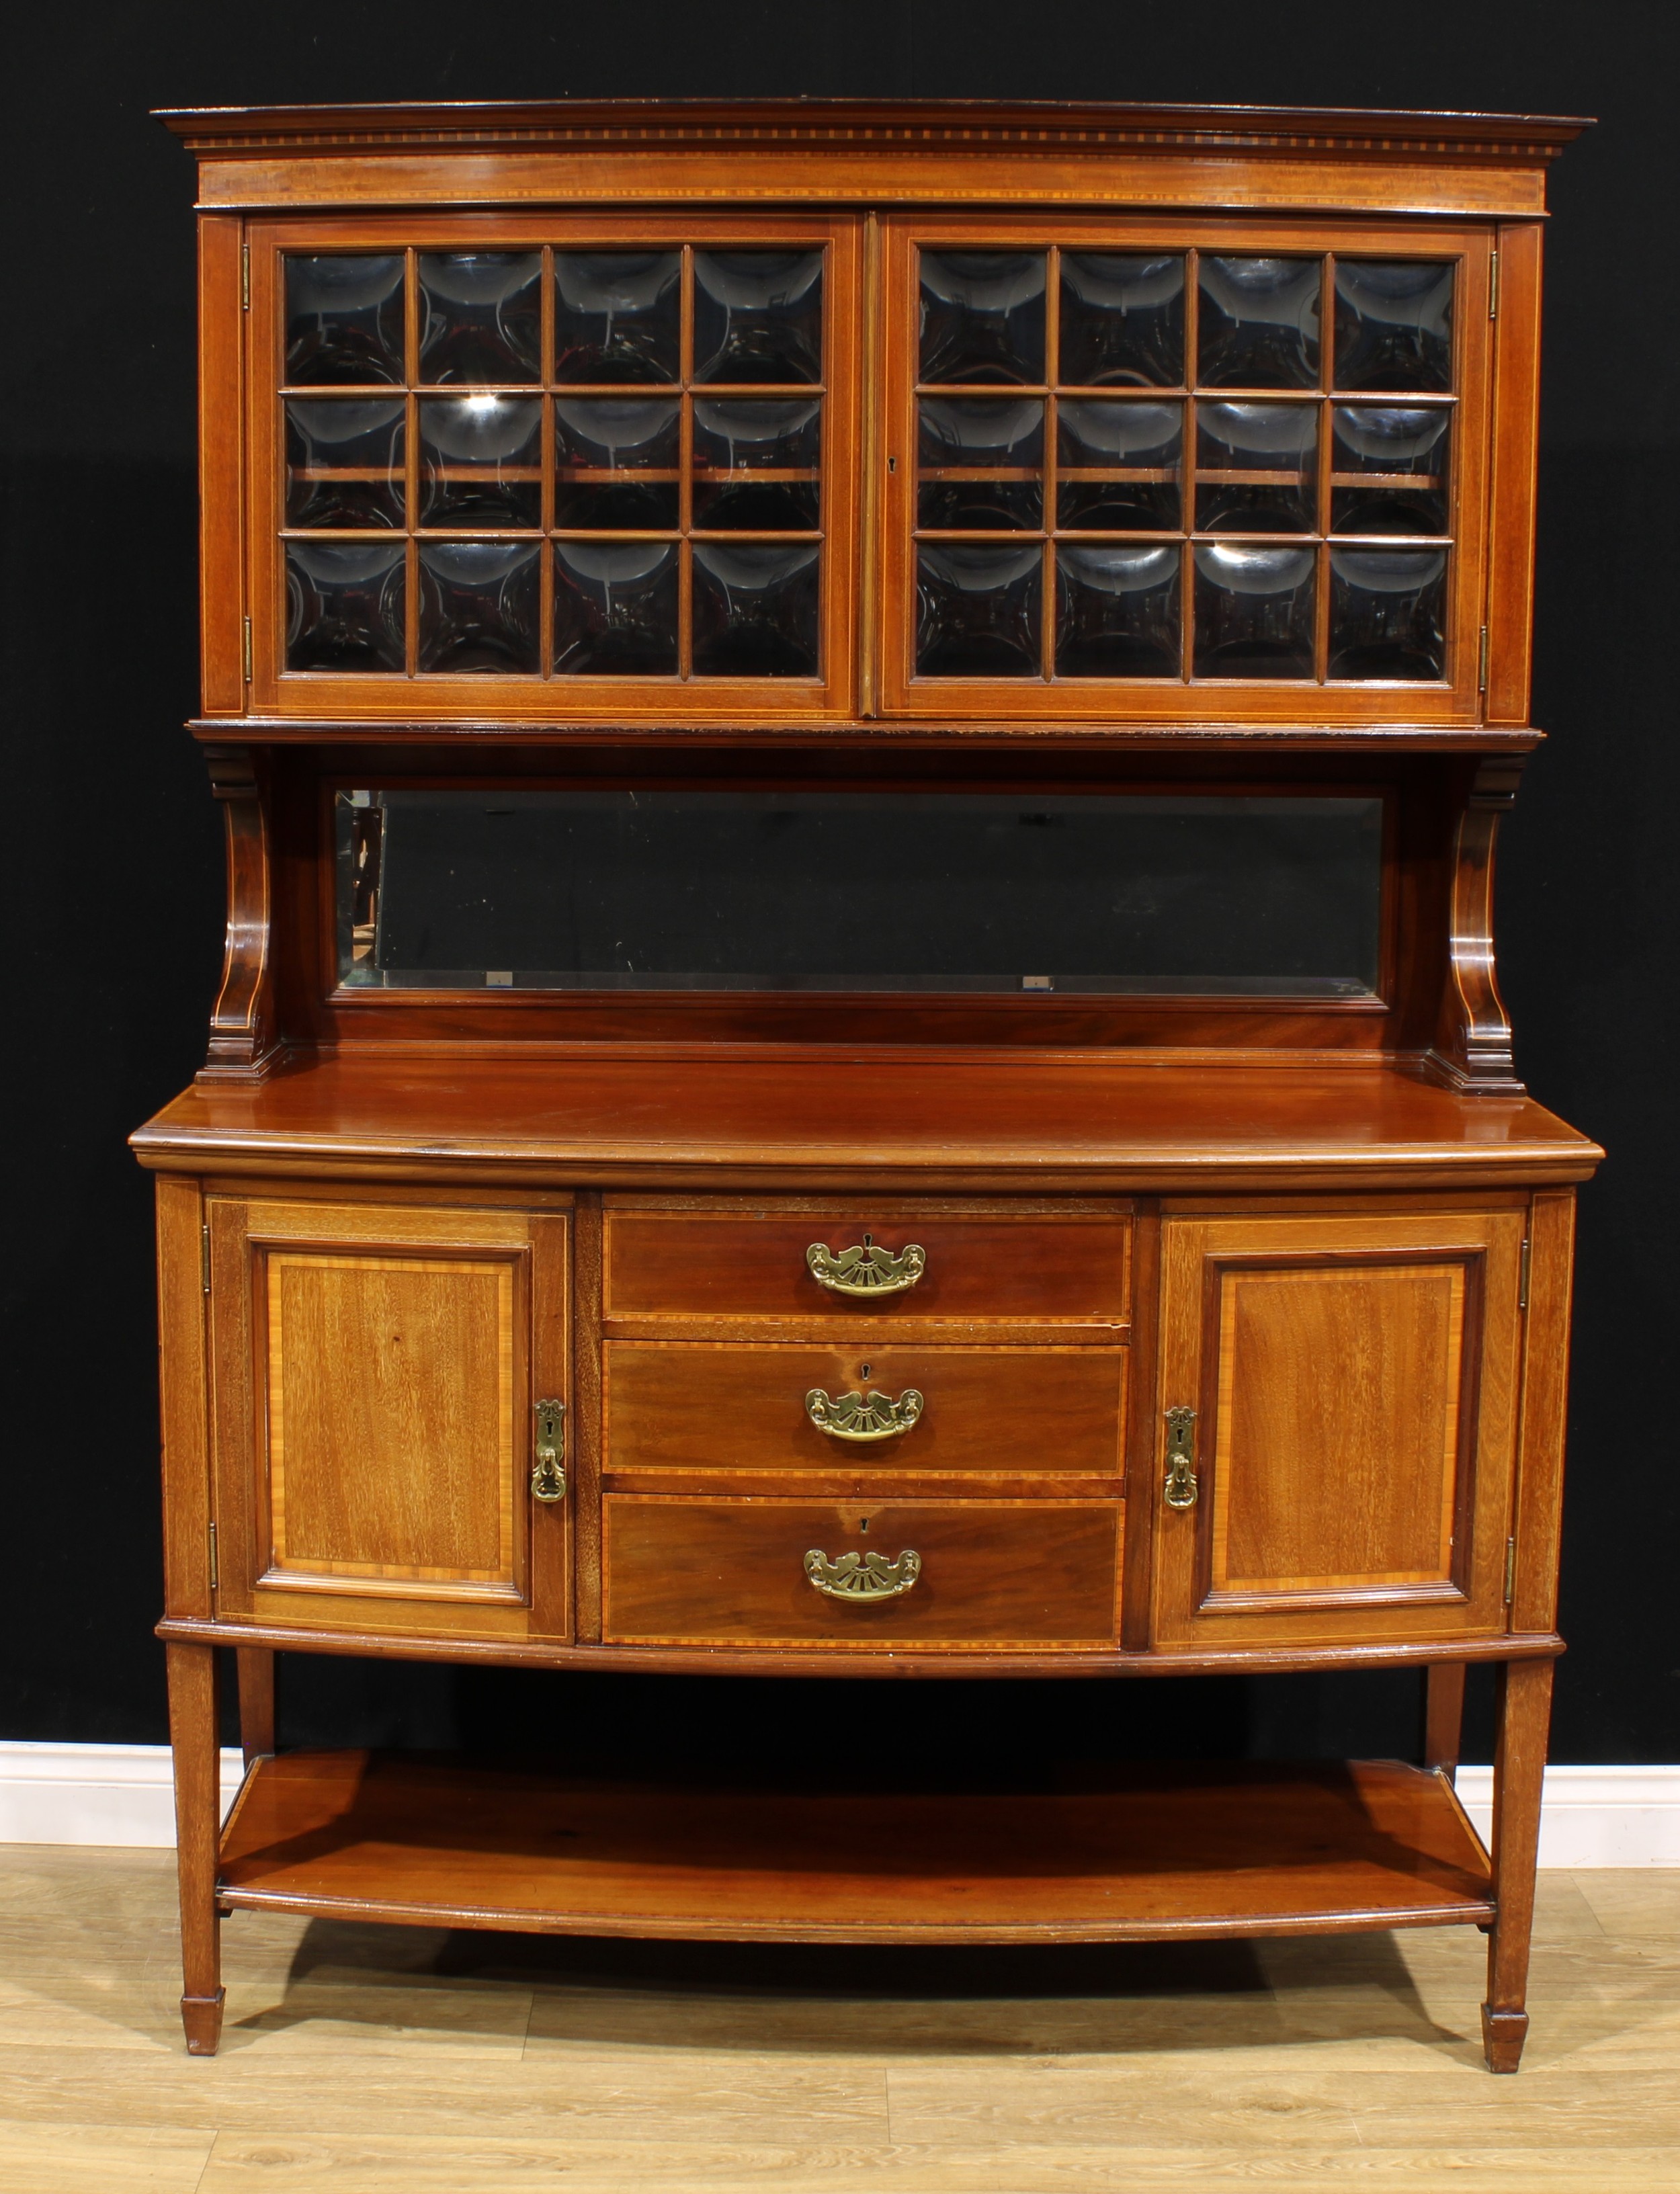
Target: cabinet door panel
375,1369
1354,1382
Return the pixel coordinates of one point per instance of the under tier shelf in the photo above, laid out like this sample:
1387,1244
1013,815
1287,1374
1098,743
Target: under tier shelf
1130,1854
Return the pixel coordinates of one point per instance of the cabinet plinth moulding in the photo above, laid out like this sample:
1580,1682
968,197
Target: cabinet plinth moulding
862,744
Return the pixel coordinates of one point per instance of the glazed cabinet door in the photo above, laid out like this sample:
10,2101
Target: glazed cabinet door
375,1374
1336,1432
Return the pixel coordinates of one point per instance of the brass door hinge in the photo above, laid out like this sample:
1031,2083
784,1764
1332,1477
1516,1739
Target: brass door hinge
1511,1570
1480,665
244,278
247,650
1494,285
203,1257
1523,1276
214,1579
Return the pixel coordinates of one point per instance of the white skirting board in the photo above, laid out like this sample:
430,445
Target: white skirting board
120,1794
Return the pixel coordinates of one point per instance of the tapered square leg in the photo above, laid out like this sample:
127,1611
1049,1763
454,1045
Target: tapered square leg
257,1701
1519,1770
194,1742
1443,1715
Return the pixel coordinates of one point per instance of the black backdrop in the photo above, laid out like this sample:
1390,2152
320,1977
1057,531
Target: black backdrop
111,863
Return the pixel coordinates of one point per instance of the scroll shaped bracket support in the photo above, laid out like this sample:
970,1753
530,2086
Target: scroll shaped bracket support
858,1579
1472,1051
245,1037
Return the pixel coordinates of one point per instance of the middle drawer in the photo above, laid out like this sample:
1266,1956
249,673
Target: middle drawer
907,1408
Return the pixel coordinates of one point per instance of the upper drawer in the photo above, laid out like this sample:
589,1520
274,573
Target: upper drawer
1037,1269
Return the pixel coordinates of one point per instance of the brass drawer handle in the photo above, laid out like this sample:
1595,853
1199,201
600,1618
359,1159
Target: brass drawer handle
857,1416
865,1270
860,1577
1180,1489
548,1479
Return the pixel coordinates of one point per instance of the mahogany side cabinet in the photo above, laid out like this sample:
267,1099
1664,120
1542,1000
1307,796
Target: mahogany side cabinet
861,745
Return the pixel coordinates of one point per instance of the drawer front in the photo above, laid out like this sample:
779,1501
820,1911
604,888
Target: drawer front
697,1406
723,1571
1034,1269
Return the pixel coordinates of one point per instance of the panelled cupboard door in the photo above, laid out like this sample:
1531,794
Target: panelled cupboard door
555,467
375,1369
1172,469
1355,1385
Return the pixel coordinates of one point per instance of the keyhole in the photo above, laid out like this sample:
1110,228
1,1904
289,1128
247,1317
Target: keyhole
863,1524
869,1241
864,1372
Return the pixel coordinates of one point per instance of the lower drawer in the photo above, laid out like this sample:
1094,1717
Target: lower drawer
753,1571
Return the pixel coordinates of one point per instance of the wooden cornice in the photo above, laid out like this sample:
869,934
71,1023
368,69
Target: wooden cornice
949,127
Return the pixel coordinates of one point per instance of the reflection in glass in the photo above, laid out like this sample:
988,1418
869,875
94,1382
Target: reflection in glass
740,444
479,460
478,606
1402,452
808,889
982,316
1250,440
1388,612
617,315
617,460
344,604
344,461
344,319
1259,323
1117,612
1122,318
985,435
754,609
978,611
758,316
1254,611
615,608
1148,439
481,316
1394,324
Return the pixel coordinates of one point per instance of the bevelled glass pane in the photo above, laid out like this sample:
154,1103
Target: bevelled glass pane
344,461
1263,461
1388,613
812,889
1122,318
756,464
968,446
1394,324
617,315
1259,323
1254,611
615,608
1116,611
1141,446
344,318
478,606
982,316
344,604
481,316
758,316
754,608
978,609
616,462
1397,459
480,463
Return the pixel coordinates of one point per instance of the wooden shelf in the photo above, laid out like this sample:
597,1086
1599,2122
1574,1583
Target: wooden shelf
1127,1854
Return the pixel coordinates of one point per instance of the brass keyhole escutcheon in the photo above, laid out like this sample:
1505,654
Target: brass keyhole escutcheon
548,1477
1180,1489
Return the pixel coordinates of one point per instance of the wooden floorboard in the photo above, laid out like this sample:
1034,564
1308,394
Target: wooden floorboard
364,2060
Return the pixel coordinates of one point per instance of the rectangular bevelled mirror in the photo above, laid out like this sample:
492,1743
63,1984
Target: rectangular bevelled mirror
588,464
1182,465
1251,896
